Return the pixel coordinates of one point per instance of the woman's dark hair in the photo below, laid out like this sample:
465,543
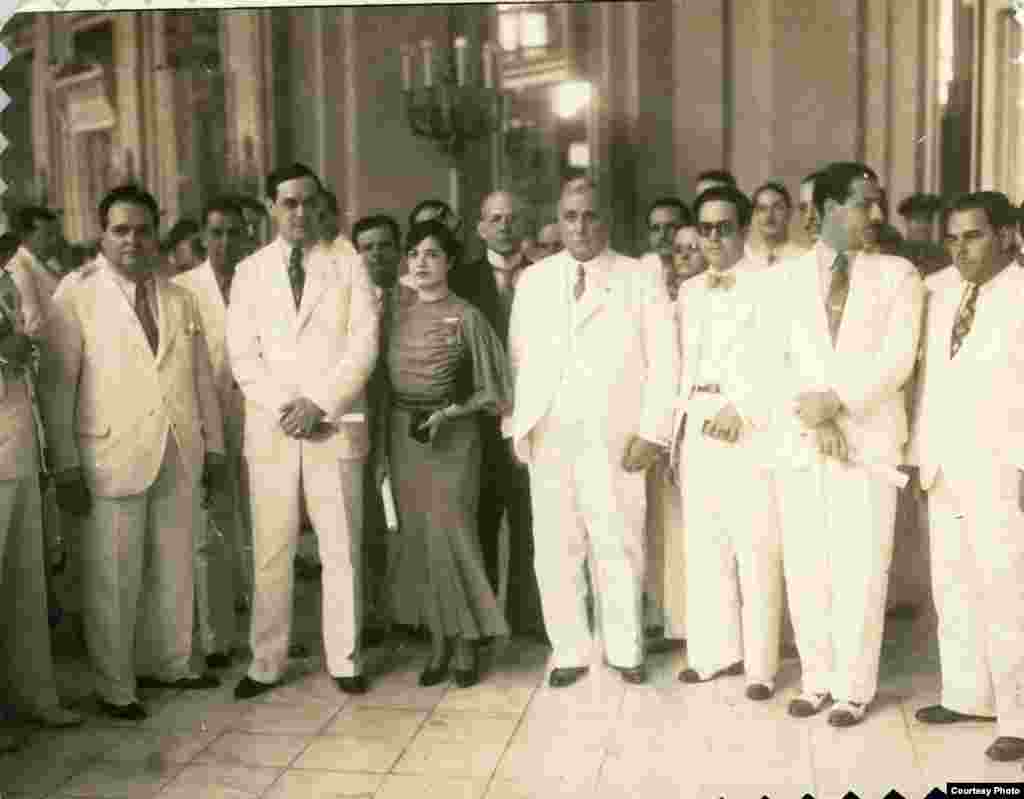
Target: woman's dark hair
436,230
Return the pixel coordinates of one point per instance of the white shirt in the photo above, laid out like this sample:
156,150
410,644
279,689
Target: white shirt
719,309
129,287
506,270
756,259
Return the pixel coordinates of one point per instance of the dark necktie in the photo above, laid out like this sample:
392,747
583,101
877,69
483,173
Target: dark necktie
838,290
145,314
581,282
296,275
964,318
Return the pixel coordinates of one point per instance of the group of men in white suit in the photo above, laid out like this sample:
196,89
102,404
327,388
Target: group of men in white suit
778,387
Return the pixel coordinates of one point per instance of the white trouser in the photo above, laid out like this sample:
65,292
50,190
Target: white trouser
333,493
977,543
837,535
24,631
584,504
137,582
734,557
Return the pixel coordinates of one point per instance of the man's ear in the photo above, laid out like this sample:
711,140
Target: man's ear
1008,239
480,229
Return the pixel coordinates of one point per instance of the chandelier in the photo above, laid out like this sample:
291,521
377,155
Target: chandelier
443,102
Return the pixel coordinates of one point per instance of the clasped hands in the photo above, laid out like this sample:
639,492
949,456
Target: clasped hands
300,417
817,410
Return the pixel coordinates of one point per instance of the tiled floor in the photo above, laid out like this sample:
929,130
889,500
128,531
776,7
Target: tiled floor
510,737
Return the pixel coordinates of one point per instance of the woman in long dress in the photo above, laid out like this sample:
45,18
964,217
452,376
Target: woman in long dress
445,366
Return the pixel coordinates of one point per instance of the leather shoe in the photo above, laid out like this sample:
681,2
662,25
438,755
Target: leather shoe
57,717
352,685
759,691
693,676
199,682
808,705
937,714
130,712
218,660
847,714
562,678
434,675
1005,748
247,688
635,675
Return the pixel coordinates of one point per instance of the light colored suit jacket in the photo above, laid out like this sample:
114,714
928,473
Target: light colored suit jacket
110,404
325,351
624,337
17,424
744,375
202,283
872,360
971,408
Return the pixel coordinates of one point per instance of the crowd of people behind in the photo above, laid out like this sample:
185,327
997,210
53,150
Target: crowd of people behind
173,414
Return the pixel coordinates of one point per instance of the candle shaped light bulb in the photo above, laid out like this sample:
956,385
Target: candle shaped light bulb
461,44
428,62
406,69
488,57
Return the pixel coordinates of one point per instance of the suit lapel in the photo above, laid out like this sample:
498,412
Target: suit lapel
167,323
693,318
132,324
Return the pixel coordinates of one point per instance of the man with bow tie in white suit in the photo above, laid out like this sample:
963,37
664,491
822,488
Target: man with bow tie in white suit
135,427
302,341
969,443
847,326
595,359
733,547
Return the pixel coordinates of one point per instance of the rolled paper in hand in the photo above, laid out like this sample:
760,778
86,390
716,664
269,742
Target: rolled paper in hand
388,500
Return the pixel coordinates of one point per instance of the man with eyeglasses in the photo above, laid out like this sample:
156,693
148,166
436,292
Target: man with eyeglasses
845,341
769,232
722,417
223,546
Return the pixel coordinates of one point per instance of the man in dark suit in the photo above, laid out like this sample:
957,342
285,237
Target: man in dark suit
489,283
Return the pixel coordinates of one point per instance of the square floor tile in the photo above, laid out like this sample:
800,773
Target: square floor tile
299,784
398,786
218,781
286,719
249,749
365,721
463,744
347,753
105,780
168,747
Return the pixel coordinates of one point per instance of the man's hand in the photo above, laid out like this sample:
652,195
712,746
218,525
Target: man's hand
300,417
640,454
434,422
725,426
815,407
832,442
72,493
215,474
512,454
16,349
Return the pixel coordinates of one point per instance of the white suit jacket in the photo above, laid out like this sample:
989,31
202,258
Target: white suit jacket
202,283
972,407
744,377
325,351
110,404
625,339
873,357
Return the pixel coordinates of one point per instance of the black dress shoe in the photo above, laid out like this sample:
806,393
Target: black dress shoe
218,660
434,675
634,675
759,692
130,712
247,688
692,676
562,678
198,683
937,714
464,678
1005,749
352,685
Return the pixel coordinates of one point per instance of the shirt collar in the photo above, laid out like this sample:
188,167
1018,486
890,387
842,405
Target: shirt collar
993,282
505,263
125,284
